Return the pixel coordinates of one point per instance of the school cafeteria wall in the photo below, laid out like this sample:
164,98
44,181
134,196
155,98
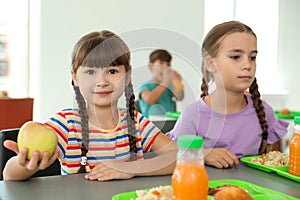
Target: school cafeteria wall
62,23
288,54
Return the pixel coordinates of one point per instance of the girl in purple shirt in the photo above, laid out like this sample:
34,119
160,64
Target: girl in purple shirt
234,124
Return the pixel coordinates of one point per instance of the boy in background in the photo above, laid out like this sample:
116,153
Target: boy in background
156,97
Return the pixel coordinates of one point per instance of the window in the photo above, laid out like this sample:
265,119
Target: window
265,25
14,47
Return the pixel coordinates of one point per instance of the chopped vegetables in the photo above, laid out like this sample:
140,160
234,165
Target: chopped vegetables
273,158
156,193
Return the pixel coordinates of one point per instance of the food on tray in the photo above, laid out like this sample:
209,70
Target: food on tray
156,193
285,111
229,192
273,158
224,192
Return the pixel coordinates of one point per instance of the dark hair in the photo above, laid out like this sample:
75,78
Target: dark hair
102,49
160,54
210,46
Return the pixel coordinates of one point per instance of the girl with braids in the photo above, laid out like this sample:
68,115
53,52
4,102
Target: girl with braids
233,123
99,138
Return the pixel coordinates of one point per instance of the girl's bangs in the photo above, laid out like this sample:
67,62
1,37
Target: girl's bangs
107,53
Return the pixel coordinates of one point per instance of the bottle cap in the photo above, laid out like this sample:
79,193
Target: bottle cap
297,119
190,141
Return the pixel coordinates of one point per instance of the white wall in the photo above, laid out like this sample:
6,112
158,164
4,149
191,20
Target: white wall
143,25
64,22
288,54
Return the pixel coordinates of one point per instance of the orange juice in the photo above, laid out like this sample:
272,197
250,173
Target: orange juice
190,182
294,166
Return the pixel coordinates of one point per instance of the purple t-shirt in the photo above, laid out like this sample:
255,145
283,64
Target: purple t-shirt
239,132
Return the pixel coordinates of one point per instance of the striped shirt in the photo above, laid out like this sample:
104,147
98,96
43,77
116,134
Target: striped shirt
103,144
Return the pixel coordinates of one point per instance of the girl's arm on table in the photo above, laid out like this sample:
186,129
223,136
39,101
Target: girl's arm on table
163,163
220,158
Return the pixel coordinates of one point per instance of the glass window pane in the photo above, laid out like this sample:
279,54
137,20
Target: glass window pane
265,25
14,31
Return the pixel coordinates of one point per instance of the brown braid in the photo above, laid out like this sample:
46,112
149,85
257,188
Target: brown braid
204,88
84,117
261,114
130,120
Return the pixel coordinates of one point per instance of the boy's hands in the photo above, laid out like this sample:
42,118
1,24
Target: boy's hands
220,158
33,164
168,75
108,170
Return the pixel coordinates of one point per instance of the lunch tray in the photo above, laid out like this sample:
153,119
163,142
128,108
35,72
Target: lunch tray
290,116
256,191
280,170
174,115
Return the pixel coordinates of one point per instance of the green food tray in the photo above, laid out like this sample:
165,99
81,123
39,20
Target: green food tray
256,191
290,116
173,114
280,170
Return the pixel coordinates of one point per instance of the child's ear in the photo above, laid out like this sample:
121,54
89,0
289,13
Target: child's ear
150,65
209,64
74,80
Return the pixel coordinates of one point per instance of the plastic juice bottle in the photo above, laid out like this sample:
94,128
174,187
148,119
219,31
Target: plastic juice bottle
190,180
294,166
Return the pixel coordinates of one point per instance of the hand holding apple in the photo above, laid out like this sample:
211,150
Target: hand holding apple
37,137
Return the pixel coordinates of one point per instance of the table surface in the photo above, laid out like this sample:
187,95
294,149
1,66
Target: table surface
75,187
